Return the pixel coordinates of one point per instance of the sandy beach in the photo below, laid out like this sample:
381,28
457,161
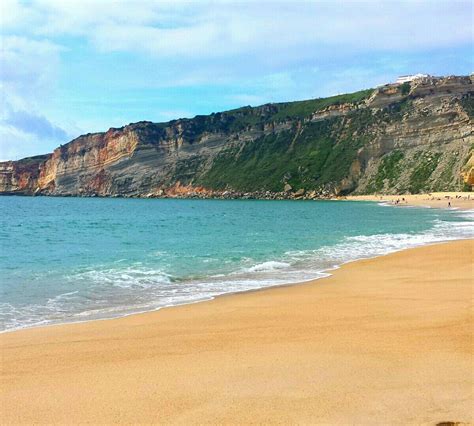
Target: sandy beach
456,200
382,341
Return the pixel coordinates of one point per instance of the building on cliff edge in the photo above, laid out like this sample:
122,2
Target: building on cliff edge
407,78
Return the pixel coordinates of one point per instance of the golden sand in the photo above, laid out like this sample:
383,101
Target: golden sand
382,341
455,200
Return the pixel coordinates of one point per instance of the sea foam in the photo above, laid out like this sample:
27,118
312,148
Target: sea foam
121,287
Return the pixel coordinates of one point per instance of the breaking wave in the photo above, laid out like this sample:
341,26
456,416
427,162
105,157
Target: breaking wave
110,292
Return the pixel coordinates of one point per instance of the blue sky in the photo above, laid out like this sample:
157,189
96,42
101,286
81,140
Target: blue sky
71,67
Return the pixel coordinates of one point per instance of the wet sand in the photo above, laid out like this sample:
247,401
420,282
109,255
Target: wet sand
383,341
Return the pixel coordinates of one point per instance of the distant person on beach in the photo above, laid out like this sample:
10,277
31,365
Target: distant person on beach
449,203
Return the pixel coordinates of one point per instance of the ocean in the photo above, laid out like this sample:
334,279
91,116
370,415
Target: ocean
79,259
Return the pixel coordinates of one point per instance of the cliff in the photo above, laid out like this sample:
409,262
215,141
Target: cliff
405,138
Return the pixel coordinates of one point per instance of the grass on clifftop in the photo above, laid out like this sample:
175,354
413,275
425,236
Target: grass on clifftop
303,109
251,116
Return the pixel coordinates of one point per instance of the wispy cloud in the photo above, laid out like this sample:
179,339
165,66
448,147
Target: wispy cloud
211,29
28,69
36,125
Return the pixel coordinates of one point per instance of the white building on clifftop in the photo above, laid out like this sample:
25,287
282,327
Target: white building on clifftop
407,78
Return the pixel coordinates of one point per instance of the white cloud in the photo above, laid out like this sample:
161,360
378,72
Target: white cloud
16,144
27,69
15,14
210,29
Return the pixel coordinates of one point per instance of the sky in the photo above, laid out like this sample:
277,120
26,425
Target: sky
71,67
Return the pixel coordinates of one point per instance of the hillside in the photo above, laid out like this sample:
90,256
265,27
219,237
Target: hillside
407,138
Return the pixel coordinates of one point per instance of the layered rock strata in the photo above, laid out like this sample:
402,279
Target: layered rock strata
397,138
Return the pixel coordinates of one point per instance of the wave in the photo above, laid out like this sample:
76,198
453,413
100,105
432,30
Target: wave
127,277
110,292
467,214
367,246
267,266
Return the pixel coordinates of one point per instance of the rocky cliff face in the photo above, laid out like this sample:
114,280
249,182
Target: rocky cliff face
397,138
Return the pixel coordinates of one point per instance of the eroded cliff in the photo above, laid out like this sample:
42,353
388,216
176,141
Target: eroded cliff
397,138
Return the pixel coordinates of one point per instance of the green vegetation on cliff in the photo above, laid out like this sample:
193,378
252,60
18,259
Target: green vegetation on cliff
246,117
309,155
467,103
304,109
422,171
387,173
324,154
298,157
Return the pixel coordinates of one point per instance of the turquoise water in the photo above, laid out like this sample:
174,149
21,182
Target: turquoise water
76,259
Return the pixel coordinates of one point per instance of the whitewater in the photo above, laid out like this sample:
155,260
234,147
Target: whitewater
78,259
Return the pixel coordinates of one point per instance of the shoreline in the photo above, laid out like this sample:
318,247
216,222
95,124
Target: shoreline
252,329
326,273
459,199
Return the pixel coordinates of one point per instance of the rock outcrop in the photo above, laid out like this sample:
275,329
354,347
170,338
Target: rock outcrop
397,138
